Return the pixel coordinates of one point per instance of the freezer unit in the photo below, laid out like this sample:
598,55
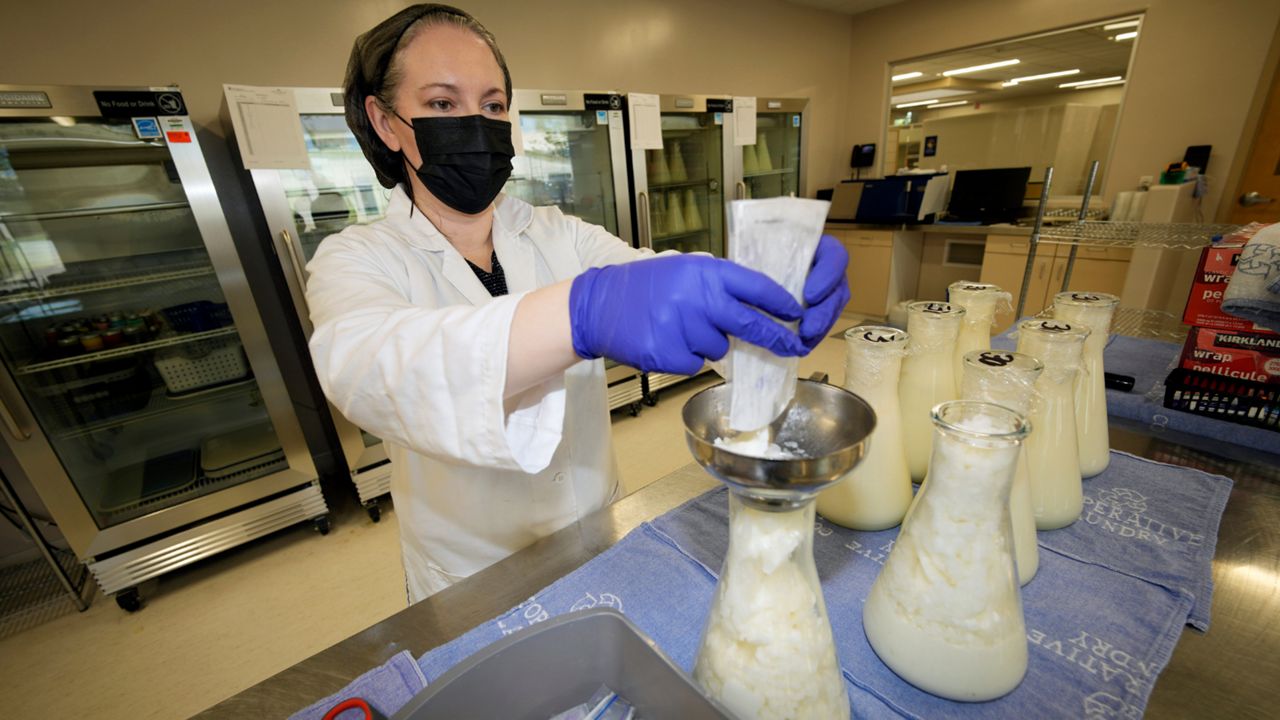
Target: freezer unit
304,205
772,166
138,392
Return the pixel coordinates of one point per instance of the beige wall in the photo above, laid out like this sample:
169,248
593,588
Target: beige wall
1101,96
1193,77
743,47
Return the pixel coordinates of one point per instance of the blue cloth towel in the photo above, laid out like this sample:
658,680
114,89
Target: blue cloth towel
1103,613
1149,362
386,688
1097,638
1155,525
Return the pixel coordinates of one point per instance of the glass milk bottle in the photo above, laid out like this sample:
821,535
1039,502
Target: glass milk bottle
767,650
1093,311
928,376
945,613
1009,379
875,495
981,302
1053,453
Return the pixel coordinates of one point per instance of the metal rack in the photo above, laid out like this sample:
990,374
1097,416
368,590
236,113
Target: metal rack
195,271
30,596
1136,322
126,350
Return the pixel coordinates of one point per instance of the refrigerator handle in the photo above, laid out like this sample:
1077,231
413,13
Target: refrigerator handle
739,190
295,263
11,423
646,237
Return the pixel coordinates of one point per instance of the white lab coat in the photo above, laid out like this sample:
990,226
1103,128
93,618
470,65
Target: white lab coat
410,346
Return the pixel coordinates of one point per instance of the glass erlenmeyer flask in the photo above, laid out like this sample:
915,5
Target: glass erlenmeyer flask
1093,311
981,302
1053,453
1009,379
875,495
928,376
945,612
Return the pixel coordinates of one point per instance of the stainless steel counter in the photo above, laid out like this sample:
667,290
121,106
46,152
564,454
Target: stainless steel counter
1018,230
1232,671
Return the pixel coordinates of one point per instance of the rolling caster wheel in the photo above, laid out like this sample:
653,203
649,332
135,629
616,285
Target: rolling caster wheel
128,600
321,524
634,409
651,399
374,510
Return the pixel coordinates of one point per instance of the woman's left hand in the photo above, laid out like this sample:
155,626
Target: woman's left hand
826,291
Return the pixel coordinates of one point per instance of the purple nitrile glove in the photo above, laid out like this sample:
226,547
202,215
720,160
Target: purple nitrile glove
826,291
668,314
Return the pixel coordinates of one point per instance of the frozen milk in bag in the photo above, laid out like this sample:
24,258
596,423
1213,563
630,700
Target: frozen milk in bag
777,237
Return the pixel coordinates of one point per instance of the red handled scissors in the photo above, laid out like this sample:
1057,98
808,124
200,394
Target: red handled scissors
354,703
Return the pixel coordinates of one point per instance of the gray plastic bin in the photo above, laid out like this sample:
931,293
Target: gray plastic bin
550,667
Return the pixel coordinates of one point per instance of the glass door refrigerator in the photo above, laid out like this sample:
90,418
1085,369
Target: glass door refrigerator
575,157
772,166
679,190
138,392
304,206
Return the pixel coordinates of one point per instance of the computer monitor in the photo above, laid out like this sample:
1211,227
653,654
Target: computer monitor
988,196
863,156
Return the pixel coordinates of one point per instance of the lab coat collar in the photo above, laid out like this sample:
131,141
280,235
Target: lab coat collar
511,217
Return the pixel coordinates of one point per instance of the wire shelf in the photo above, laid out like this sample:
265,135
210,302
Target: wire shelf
160,403
1139,323
1173,236
126,350
31,595
202,486
109,284
1151,324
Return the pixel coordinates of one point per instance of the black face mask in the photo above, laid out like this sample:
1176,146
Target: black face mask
465,160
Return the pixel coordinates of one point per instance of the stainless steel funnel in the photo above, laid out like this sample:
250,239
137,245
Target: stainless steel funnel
830,427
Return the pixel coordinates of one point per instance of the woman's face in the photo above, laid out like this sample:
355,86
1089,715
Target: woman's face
445,71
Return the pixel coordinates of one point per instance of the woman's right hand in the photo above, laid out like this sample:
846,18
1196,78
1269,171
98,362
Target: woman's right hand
668,314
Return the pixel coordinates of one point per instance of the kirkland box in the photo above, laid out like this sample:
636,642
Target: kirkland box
1204,304
1243,356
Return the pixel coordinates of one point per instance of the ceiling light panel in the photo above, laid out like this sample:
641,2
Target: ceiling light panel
907,76
916,104
1122,25
980,68
1090,82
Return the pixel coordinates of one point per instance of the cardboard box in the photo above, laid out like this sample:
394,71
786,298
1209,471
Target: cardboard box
1244,356
1204,304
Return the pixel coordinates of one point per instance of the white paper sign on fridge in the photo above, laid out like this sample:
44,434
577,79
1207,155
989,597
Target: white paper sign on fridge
646,121
268,128
744,121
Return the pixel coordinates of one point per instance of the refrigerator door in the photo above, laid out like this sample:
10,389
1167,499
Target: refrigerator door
574,156
137,388
771,167
302,208
680,187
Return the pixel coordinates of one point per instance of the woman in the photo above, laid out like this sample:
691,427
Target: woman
456,328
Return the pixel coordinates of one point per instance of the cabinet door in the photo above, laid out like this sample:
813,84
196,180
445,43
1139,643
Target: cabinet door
868,275
1089,275
1006,271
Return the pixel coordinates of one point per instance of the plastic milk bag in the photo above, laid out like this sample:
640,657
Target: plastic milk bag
777,237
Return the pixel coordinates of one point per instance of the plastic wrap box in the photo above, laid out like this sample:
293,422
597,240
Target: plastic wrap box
1204,304
1241,356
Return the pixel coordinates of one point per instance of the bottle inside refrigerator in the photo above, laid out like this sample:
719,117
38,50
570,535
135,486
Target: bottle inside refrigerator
772,167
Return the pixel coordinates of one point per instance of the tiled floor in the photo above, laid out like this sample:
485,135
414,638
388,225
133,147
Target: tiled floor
212,630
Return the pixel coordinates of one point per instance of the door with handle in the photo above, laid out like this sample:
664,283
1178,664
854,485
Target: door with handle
1257,198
